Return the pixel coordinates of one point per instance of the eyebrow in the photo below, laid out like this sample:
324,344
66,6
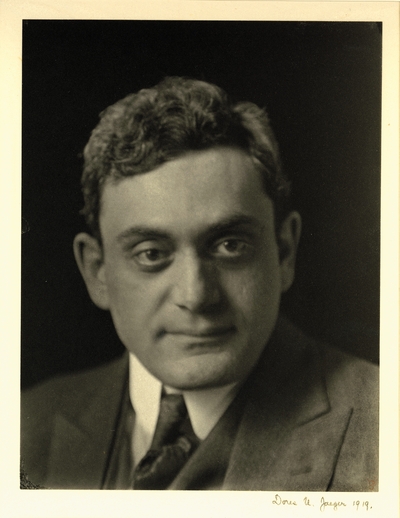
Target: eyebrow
234,222
223,225
144,231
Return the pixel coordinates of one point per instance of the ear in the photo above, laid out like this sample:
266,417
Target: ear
89,257
288,240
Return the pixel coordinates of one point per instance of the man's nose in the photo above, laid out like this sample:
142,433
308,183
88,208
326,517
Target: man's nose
195,285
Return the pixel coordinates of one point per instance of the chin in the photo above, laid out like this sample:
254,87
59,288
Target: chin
200,377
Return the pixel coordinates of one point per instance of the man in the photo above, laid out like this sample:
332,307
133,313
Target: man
191,245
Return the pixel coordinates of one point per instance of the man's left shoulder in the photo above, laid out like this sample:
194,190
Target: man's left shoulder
346,379
349,379
353,383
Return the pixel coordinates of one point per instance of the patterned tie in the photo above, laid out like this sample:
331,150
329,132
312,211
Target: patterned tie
170,448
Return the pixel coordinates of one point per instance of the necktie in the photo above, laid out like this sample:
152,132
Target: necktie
170,448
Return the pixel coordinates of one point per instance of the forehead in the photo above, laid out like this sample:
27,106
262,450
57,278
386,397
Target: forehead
190,193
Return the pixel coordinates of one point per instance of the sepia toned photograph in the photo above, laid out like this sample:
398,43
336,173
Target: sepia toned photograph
201,255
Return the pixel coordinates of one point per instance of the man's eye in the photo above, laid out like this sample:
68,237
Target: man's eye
152,258
231,248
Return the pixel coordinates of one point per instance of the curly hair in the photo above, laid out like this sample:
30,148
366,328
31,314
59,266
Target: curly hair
178,115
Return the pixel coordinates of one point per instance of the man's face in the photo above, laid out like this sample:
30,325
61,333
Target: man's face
191,267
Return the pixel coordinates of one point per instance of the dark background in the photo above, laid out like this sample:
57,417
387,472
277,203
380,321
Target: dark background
321,84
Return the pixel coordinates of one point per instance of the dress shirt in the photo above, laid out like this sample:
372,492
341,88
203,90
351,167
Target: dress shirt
205,407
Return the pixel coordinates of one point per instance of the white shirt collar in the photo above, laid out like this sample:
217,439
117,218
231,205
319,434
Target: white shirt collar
205,407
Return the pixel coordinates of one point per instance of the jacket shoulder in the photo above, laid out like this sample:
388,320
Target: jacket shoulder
351,387
354,382
349,379
69,394
64,390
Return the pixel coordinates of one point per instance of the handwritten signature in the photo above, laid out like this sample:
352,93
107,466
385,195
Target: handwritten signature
323,503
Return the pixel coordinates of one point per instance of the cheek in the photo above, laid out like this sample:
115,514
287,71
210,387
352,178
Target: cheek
254,291
132,300
123,282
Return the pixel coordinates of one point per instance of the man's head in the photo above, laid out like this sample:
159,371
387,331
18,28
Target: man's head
156,125
191,246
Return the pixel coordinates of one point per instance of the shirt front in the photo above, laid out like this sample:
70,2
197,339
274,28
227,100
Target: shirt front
205,407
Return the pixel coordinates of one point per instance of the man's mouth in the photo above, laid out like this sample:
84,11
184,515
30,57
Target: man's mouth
205,334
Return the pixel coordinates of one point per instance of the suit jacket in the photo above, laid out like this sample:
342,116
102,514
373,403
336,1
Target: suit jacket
305,420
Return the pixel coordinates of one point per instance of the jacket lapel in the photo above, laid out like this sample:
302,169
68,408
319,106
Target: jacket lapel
289,436
83,436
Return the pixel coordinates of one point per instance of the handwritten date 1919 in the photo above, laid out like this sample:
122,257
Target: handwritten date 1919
359,505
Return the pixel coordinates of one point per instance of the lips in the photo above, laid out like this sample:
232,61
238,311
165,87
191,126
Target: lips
199,333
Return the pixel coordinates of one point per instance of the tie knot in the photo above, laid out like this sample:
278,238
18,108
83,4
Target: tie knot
173,406
172,414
